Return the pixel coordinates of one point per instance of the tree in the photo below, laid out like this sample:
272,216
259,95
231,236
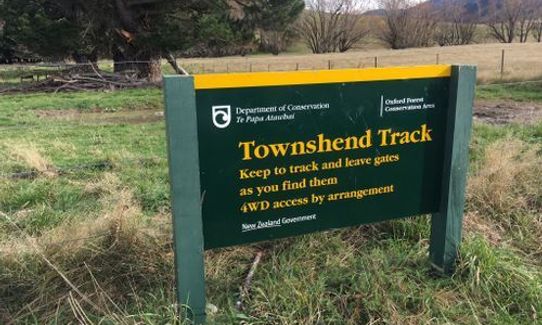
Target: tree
332,25
7,50
537,30
145,31
36,25
274,20
454,28
509,19
527,19
407,25
352,29
139,32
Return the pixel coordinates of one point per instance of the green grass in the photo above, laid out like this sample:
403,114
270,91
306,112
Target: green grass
113,100
98,210
518,92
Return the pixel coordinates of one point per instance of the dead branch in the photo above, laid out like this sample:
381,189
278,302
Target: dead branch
73,80
244,290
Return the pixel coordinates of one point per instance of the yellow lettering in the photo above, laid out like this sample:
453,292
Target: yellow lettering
351,143
297,148
366,141
246,149
413,137
405,137
337,144
310,147
322,141
426,133
261,151
384,137
279,149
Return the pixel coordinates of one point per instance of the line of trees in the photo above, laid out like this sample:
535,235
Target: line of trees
338,25
511,20
408,23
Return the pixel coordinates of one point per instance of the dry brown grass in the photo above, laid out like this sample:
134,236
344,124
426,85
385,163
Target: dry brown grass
522,61
508,182
29,155
475,224
121,216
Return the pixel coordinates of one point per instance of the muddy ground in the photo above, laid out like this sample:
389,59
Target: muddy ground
493,112
499,112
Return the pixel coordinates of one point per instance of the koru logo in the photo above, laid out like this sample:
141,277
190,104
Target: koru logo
221,116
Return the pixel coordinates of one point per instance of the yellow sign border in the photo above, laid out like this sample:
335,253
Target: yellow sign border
310,77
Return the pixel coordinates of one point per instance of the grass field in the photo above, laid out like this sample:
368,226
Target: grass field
522,61
85,231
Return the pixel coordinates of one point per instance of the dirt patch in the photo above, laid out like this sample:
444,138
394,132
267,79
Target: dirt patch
507,112
493,112
99,116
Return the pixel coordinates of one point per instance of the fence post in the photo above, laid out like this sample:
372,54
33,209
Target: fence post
447,223
376,61
502,64
296,66
329,64
250,67
181,128
438,58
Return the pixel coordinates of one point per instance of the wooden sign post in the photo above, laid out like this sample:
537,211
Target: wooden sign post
261,156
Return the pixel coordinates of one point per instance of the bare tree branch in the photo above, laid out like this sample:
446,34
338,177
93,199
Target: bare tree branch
407,25
333,25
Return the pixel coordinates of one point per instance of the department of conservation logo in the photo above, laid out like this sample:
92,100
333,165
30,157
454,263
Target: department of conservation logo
221,116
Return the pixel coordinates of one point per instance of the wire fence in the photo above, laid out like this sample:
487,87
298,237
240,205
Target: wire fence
493,66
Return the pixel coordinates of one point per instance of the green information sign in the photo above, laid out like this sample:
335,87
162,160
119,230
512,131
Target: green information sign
260,156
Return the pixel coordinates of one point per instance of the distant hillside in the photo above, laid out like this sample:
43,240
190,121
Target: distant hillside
472,7
375,12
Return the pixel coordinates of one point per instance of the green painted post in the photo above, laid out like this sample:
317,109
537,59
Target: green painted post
446,225
181,128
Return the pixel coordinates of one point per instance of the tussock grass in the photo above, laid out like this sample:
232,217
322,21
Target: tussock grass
508,182
30,157
84,268
505,195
